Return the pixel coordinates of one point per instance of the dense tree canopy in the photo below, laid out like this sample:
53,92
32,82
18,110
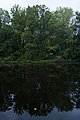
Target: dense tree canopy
36,33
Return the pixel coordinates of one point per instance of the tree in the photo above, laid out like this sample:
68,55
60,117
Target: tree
61,31
5,31
37,30
36,33
77,37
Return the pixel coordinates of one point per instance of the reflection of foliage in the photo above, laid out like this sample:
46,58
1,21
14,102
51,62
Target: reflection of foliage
35,104
39,89
5,102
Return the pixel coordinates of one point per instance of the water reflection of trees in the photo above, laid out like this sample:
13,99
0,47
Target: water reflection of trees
39,89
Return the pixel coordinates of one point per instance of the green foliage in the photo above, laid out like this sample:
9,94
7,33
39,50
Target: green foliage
36,33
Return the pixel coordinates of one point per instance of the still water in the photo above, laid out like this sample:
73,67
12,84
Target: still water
40,92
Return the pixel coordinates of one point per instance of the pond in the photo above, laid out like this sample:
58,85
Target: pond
40,92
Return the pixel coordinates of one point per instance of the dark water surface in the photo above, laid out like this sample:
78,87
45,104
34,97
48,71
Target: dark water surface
40,92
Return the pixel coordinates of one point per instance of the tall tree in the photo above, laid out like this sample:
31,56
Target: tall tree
77,36
62,33
4,31
37,30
